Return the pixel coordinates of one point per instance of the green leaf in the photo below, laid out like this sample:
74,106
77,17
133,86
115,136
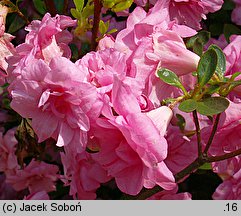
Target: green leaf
169,77
103,27
188,105
40,6
221,61
235,75
181,122
79,4
112,31
76,14
202,36
16,24
122,6
212,106
206,166
198,47
206,67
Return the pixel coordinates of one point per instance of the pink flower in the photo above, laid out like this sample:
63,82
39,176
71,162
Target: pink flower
191,12
227,168
171,195
82,174
58,100
46,39
6,48
132,144
181,150
8,159
230,189
236,18
3,15
233,55
36,176
41,195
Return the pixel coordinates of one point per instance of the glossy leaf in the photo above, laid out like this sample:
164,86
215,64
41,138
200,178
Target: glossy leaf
206,67
188,105
221,61
212,105
79,4
169,77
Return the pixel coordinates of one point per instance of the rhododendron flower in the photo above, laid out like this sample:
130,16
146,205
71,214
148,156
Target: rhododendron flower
181,150
233,55
46,39
36,176
236,17
227,168
230,189
8,159
6,47
191,12
57,98
133,147
82,174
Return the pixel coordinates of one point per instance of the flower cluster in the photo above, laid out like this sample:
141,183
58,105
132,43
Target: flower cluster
104,115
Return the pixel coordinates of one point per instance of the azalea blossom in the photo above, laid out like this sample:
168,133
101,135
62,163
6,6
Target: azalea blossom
36,176
46,39
57,98
8,158
82,174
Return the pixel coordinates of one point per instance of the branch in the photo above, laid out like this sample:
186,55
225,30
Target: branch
224,156
198,132
210,140
95,29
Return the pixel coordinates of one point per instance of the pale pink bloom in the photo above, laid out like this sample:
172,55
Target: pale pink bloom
182,151
191,12
36,176
236,13
6,48
46,39
8,159
233,55
103,65
57,99
132,145
82,174
151,41
230,189
3,15
106,42
41,195
171,195
141,25
227,168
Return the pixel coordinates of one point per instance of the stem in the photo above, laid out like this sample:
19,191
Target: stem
50,7
198,132
210,140
95,29
224,156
